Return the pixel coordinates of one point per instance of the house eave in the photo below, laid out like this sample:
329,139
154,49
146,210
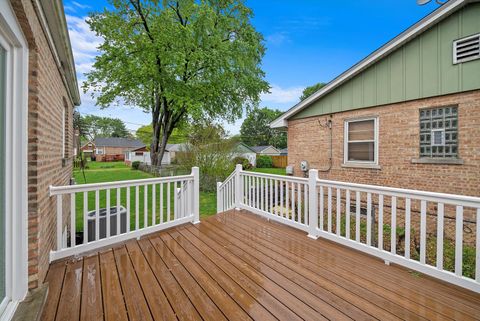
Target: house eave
412,32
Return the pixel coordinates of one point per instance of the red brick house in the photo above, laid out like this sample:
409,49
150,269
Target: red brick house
38,93
104,149
406,116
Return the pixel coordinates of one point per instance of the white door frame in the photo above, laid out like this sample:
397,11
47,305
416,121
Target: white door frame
16,198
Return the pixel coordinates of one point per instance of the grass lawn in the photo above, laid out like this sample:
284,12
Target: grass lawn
117,171
276,171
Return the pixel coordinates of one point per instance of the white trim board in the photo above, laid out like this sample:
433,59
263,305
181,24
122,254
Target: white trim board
16,111
412,32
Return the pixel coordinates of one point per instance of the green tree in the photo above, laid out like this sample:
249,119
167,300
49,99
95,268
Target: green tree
177,60
178,136
310,90
256,131
95,126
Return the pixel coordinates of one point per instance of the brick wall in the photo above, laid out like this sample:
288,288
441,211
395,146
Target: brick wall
48,97
309,139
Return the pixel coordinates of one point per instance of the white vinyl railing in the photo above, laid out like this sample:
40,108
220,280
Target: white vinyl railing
423,231
105,213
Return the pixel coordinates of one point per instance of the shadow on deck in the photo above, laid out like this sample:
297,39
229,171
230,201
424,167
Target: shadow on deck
238,266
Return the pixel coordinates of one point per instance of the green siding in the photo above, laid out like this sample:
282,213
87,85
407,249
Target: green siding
421,68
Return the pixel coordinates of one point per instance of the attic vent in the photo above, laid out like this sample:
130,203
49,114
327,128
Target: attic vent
466,49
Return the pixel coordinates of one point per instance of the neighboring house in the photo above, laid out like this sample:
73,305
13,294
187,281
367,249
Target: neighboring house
143,155
176,148
38,91
242,150
266,150
284,152
88,149
114,148
407,116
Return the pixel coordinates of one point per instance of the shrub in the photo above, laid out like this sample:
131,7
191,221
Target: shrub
264,162
136,165
242,161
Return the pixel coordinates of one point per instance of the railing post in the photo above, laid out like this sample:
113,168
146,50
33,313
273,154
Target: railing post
238,186
196,195
59,221
219,198
312,204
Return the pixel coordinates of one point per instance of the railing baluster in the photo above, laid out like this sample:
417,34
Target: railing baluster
128,208
440,216
85,217
459,240
107,218
282,211
380,221
423,231
59,221
292,199
287,200
329,209
270,183
306,204
369,219
393,237
357,216
407,227
257,191
175,200
347,214
119,216
321,208
97,215
73,217
154,204
299,202
276,197
339,211
161,203
168,201
137,208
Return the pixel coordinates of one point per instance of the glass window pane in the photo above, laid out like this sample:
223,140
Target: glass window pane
361,130
361,152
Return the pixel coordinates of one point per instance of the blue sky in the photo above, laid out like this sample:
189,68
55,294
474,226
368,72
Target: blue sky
308,41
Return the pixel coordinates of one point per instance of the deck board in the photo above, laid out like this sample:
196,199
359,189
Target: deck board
238,266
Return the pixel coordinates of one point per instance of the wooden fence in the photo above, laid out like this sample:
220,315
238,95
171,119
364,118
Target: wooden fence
280,161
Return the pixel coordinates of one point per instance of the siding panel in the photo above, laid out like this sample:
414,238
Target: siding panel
419,69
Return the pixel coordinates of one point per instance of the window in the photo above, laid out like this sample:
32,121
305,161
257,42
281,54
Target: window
99,151
138,153
439,132
361,141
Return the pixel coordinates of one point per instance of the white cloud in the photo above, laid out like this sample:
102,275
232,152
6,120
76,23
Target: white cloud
277,38
81,6
84,43
281,95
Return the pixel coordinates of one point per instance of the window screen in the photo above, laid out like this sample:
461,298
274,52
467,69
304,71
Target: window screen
439,132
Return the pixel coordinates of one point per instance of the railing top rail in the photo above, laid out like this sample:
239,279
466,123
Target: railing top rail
275,176
471,201
230,177
56,190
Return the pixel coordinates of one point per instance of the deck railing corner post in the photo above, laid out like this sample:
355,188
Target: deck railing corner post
196,195
238,186
312,204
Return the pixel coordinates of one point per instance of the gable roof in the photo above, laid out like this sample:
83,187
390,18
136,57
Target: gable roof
176,147
418,28
118,142
239,145
259,149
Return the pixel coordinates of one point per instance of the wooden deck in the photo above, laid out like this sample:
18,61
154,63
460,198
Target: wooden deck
238,266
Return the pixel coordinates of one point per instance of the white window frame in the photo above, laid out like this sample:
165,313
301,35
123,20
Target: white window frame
16,197
432,138
346,141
